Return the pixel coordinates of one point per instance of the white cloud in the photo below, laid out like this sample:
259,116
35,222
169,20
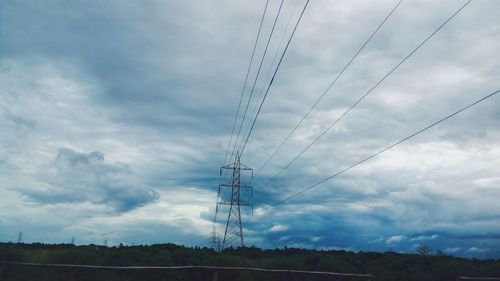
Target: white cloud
278,228
477,250
395,239
424,238
453,250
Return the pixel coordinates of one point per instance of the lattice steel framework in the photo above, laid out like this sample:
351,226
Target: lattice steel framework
233,234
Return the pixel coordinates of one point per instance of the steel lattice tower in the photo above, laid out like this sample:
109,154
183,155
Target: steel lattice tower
233,234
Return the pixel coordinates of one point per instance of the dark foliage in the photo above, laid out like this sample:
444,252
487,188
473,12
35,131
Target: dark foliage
386,266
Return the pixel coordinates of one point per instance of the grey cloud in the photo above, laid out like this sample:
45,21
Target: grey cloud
87,177
156,79
22,121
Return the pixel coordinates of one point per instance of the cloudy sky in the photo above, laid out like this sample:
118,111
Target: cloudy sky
115,117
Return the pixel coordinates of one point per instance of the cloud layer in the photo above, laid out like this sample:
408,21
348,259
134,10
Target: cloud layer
115,118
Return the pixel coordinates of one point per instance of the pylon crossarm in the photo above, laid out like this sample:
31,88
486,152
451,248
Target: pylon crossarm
227,167
241,185
228,203
232,166
245,167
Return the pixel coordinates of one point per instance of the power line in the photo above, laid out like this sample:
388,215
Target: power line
241,99
246,79
256,77
274,75
381,151
242,93
275,57
328,88
253,87
235,195
366,94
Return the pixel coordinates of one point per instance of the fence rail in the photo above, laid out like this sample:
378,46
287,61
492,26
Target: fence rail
478,278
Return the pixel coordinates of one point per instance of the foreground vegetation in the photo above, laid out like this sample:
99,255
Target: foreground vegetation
385,266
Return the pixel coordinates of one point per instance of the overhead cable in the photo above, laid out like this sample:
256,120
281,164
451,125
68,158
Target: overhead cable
256,78
245,83
273,77
366,94
328,88
381,151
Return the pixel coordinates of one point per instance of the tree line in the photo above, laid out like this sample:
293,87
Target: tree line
385,266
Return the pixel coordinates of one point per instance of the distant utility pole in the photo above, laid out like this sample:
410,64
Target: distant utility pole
233,235
20,238
72,240
215,240
106,239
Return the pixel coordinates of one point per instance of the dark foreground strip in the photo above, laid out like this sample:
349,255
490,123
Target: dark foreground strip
182,267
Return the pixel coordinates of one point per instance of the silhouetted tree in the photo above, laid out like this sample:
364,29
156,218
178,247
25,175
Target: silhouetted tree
424,250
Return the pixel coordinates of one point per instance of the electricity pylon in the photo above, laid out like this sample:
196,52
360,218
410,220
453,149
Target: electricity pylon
233,235
215,241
